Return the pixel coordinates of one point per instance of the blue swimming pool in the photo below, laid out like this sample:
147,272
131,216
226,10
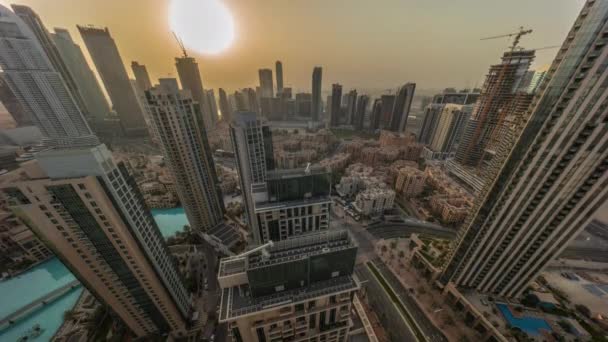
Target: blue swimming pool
530,325
170,221
50,275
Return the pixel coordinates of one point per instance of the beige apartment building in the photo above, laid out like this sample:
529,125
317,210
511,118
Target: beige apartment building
98,225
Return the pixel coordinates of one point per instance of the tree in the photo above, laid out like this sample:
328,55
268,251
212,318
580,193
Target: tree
384,249
583,309
401,254
393,244
530,300
69,315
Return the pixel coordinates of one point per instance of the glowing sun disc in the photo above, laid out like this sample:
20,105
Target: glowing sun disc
205,26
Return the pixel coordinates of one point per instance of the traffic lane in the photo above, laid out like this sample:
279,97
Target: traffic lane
430,330
383,306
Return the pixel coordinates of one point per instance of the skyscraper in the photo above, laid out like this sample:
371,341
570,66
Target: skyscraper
105,55
266,86
84,206
13,106
432,113
92,95
279,71
279,203
90,213
31,19
401,107
141,76
225,106
35,83
211,105
359,118
182,133
554,178
303,105
448,130
317,79
299,289
336,105
376,115
351,107
386,111
499,89
252,142
190,78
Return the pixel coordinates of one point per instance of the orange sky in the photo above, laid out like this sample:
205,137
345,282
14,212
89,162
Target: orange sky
360,43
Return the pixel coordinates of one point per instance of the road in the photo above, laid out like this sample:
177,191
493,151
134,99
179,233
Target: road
429,329
383,306
377,297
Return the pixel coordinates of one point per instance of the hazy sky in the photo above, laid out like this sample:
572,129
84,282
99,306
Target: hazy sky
360,43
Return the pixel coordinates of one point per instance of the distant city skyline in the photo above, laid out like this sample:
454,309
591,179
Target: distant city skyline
446,51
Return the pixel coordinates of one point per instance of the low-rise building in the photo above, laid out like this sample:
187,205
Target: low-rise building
410,182
374,201
336,163
450,209
388,138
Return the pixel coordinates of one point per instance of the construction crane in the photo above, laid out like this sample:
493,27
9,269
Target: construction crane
181,44
517,36
548,47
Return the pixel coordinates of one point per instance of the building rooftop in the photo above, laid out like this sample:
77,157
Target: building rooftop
263,206
295,173
291,249
238,301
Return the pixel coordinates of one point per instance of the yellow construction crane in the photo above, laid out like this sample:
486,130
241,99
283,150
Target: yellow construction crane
517,36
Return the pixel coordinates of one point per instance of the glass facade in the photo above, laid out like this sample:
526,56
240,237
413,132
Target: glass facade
298,188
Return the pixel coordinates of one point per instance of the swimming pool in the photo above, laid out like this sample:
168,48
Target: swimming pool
530,325
170,221
52,274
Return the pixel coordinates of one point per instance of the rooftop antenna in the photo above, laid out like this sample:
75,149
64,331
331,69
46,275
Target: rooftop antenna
181,43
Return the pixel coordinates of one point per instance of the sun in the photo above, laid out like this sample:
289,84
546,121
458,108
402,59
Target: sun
205,26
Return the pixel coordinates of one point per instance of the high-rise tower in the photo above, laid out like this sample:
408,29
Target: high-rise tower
225,108
31,19
336,105
279,75
90,213
190,78
183,137
266,86
105,55
34,82
555,177
92,95
317,80
141,76
401,107
499,90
